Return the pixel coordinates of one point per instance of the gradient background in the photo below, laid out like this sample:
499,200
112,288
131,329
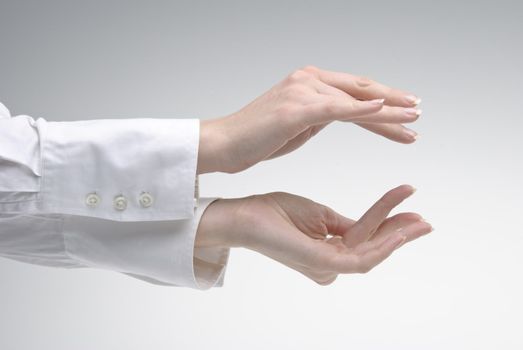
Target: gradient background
459,287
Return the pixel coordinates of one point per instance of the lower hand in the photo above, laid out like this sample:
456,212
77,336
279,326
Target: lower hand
309,237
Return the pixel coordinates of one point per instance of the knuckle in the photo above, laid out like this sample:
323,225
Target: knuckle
298,75
364,82
310,69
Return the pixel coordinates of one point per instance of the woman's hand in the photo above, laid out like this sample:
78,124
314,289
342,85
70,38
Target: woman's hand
297,108
309,237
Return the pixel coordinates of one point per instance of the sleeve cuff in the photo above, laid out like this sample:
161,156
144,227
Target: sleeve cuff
160,252
209,263
139,169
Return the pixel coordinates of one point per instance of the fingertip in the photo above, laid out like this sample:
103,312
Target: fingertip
418,229
429,226
412,135
412,100
404,138
409,189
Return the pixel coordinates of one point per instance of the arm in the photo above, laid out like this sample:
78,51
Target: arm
57,190
117,169
144,169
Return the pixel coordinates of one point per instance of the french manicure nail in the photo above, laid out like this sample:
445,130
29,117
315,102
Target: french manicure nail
411,133
378,101
411,112
413,100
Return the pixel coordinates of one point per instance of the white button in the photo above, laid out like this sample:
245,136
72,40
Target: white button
120,202
146,199
92,200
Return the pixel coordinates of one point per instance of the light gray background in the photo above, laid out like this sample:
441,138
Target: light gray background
459,287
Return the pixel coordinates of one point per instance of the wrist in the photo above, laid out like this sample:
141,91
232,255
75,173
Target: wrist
214,228
210,149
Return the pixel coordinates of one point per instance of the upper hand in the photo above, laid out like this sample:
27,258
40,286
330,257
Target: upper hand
297,108
309,237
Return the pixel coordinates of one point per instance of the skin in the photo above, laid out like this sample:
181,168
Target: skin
297,108
299,233
309,237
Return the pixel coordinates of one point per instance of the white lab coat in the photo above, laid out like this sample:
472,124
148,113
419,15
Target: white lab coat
117,194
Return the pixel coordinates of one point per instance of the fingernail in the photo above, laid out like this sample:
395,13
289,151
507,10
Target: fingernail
413,100
411,133
412,112
378,101
414,189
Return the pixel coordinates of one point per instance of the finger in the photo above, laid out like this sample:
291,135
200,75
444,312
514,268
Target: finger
372,219
393,132
415,230
390,225
390,114
337,108
395,222
336,223
326,89
364,88
411,231
351,263
387,114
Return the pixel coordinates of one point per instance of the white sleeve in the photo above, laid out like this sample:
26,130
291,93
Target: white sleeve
131,169
159,252
58,182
